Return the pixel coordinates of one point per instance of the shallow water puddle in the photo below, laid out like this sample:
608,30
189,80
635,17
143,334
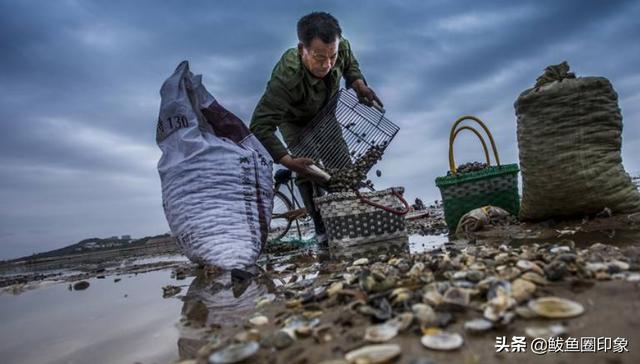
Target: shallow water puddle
123,322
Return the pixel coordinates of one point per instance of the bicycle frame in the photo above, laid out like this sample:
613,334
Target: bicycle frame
298,208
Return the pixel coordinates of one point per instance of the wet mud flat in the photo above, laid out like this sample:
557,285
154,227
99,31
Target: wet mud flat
299,306
69,268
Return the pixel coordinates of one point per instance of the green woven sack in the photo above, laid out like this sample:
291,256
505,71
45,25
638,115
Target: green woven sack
495,185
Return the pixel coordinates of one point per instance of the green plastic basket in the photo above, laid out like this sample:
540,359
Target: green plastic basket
495,185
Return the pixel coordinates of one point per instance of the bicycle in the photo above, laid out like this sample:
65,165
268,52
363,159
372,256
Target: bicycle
286,210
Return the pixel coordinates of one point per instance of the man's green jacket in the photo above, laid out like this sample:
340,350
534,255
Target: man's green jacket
294,96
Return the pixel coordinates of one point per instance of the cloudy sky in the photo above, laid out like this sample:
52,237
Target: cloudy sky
79,83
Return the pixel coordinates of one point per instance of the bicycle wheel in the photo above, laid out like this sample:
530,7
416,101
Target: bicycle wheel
280,222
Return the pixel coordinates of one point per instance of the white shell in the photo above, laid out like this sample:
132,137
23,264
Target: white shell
234,353
442,341
527,265
381,333
259,320
545,332
373,354
361,261
556,307
478,325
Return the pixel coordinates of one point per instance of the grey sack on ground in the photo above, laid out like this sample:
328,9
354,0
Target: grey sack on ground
570,139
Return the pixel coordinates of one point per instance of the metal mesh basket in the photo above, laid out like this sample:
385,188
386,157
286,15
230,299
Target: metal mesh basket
343,132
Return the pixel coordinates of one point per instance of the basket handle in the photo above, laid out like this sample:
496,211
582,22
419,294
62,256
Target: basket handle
385,208
484,144
454,133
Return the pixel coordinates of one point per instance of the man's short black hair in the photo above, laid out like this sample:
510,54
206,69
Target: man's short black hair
318,25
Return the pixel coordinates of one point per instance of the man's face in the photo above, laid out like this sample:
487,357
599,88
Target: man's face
319,57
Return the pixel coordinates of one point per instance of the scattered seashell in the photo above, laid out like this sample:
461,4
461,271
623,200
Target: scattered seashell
535,278
560,249
525,312
373,354
500,301
595,267
478,326
403,321
556,270
263,302
522,290
416,270
556,307
545,331
335,288
432,297
424,314
400,295
259,320
381,333
361,261
526,265
457,297
442,341
460,275
634,277
616,266
350,278
474,276
234,353
249,335
283,338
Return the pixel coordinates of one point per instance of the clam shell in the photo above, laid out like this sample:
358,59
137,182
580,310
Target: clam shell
536,278
283,338
381,333
442,341
259,320
546,331
527,265
500,301
525,312
478,325
234,353
456,296
335,288
361,261
424,314
432,297
403,321
556,307
522,289
373,354
416,269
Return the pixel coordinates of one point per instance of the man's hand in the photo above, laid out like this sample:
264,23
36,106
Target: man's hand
298,165
365,93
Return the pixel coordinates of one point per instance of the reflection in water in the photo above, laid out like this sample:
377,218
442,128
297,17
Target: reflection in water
224,301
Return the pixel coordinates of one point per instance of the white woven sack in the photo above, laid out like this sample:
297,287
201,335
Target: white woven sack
216,177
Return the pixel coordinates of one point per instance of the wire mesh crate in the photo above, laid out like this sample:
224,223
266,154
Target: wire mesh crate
343,132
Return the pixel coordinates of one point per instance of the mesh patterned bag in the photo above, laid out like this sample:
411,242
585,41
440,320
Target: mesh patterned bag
364,222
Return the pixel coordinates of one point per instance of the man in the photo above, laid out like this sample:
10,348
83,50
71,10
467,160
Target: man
301,84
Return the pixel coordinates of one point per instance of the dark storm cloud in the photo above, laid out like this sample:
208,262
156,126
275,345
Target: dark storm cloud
79,84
